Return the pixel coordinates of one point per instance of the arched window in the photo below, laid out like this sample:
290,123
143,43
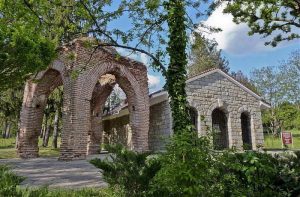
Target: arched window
246,130
194,117
220,130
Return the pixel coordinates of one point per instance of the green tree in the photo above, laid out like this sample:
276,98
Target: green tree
267,17
10,106
243,79
156,28
205,55
24,49
289,77
279,85
287,113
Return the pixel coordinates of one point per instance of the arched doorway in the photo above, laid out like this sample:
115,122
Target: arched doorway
220,129
136,92
194,117
246,130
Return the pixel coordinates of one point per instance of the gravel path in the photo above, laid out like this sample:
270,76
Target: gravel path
57,174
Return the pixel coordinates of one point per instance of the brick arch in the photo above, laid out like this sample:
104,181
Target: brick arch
137,100
79,67
35,97
100,95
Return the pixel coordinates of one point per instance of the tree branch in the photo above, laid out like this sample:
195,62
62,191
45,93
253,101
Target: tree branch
96,22
161,66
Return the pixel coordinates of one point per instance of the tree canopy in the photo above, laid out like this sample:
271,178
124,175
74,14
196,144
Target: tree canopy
205,55
157,28
281,87
279,19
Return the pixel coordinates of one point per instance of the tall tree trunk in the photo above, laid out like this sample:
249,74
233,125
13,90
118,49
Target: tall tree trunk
44,126
7,132
55,129
4,129
46,136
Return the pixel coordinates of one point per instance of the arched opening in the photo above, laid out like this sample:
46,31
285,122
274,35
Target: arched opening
136,103
194,117
246,130
38,113
220,129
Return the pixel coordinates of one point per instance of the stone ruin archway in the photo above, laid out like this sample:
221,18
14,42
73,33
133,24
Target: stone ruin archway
79,68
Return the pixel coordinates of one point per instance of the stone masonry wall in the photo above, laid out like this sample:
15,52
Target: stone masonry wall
160,125
117,131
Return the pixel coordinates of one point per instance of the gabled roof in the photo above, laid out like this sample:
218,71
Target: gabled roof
226,75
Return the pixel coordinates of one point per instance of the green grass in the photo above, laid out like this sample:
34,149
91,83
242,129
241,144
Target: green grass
8,151
273,142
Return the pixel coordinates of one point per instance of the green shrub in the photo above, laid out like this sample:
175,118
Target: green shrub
8,182
46,192
130,171
190,167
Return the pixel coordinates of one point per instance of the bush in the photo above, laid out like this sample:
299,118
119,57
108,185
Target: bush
46,192
128,170
8,182
190,167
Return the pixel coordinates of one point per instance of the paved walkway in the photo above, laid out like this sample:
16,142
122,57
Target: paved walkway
53,173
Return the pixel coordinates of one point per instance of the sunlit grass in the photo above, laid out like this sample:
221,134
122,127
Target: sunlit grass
274,142
8,151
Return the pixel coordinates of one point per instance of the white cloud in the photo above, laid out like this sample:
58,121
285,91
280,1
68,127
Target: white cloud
234,38
134,55
153,81
144,59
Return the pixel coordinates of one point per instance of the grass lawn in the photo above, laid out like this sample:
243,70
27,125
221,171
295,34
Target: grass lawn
7,149
272,142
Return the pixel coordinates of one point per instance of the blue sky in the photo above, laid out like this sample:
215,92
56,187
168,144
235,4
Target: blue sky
243,52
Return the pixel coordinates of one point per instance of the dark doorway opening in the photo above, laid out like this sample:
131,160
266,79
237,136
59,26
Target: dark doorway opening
220,130
246,130
194,117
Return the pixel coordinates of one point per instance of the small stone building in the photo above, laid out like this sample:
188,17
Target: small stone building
218,104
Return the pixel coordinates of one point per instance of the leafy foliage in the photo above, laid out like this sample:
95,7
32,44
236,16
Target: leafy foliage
128,170
266,17
176,74
8,182
205,55
190,167
240,77
280,86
